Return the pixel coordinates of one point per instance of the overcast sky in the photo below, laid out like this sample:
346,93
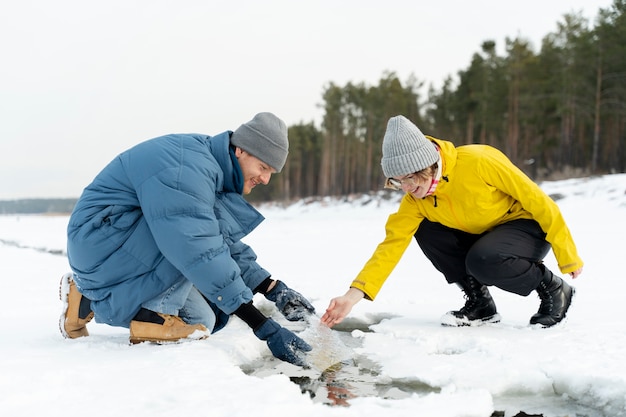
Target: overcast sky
81,81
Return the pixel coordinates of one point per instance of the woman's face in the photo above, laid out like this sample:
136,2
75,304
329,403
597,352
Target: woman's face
415,184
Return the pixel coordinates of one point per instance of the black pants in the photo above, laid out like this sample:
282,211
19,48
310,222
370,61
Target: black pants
507,257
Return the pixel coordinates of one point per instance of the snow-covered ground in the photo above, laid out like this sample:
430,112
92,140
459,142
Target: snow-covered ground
575,369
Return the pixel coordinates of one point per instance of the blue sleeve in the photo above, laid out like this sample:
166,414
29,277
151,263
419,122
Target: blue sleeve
251,271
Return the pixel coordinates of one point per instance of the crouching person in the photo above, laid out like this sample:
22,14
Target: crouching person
154,242
479,220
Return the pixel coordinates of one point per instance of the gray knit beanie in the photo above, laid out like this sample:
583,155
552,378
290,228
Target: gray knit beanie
265,137
405,149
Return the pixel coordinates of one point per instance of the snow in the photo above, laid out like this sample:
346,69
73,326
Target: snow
574,369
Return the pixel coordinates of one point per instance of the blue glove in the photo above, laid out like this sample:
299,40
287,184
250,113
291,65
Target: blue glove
290,303
283,343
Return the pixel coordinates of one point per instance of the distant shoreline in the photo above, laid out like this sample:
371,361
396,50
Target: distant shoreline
47,206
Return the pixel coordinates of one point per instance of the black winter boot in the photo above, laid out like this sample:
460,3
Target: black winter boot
556,297
478,309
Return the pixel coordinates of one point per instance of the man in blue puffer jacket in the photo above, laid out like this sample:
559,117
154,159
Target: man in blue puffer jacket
154,242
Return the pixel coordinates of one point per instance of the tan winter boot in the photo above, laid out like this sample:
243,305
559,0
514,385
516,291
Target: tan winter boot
72,323
163,328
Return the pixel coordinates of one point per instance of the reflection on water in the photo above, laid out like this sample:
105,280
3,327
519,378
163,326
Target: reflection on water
357,378
337,375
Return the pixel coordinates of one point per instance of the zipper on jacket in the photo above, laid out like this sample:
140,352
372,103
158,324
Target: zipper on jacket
460,225
445,178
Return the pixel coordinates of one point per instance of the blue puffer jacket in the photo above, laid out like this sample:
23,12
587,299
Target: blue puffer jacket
166,208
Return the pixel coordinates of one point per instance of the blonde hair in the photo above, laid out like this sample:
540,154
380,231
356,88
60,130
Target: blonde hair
428,172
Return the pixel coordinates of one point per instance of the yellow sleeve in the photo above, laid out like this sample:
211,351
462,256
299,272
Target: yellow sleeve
399,230
504,175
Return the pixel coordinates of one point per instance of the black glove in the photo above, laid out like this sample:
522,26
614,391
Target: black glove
289,302
283,343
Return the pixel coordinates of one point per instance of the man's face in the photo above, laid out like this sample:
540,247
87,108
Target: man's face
254,170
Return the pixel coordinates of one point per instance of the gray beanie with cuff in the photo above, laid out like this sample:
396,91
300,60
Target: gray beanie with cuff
265,137
405,149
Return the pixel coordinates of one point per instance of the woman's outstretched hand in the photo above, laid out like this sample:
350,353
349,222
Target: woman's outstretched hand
340,307
576,273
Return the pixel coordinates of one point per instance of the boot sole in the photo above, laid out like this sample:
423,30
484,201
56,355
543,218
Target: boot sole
196,335
64,292
449,320
65,288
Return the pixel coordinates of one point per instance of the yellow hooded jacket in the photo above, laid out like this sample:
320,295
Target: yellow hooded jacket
480,189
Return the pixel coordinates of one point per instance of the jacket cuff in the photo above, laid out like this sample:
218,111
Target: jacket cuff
229,298
250,315
263,286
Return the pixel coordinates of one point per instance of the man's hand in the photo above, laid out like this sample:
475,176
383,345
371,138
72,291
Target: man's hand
290,303
284,344
340,307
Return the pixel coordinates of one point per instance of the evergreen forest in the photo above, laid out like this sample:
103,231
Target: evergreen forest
558,112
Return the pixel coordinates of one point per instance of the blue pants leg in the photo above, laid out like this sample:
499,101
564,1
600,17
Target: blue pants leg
184,300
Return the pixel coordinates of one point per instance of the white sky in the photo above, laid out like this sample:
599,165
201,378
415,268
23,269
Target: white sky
81,81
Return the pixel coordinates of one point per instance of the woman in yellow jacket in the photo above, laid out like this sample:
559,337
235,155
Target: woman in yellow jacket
478,218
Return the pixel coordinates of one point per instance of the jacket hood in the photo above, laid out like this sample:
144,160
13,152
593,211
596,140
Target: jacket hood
448,154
